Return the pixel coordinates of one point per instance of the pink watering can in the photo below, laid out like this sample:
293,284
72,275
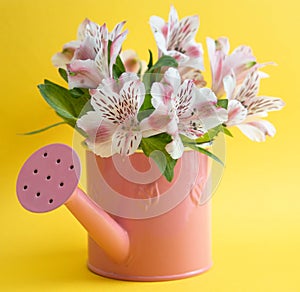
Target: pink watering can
141,227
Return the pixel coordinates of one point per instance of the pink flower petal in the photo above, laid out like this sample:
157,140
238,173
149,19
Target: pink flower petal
99,133
83,74
87,49
237,113
116,31
158,28
115,49
172,22
160,94
157,122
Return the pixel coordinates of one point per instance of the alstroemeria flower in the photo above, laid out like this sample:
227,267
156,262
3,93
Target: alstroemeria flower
113,126
175,38
241,61
86,59
132,63
245,108
181,108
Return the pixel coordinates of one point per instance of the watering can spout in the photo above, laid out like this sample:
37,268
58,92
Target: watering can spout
104,230
49,179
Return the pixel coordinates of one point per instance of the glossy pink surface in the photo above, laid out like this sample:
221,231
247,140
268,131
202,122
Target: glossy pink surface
174,243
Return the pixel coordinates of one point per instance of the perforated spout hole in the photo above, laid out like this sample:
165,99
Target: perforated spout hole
35,171
45,154
71,167
61,184
50,201
58,161
48,177
25,187
37,194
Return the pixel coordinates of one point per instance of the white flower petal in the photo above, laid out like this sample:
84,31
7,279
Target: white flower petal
205,95
237,113
99,133
157,122
175,148
172,126
195,53
185,99
62,58
257,130
126,142
229,83
104,149
252,132
265,126
107,102
181,58
101,62
132,97
87,50
187,28
212,117
249,88
172,77
261,105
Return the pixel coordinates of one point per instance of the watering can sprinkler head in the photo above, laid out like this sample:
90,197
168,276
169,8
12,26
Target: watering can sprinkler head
49,178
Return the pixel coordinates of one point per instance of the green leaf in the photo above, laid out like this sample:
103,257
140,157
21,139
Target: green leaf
63,102
79,92
150,63
142,114
58,98
120,64
147,105
208,136
63,74
250,64
43,129
163,61
155,148
118,68
226,131
108,51
223,103
195,146
208,153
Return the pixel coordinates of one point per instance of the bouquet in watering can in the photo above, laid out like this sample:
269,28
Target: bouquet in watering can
121,104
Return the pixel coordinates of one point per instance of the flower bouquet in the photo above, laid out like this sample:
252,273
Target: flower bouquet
120,104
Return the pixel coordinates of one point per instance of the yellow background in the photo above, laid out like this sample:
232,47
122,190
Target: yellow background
256,210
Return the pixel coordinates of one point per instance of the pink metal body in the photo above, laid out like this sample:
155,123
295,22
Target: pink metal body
171,245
